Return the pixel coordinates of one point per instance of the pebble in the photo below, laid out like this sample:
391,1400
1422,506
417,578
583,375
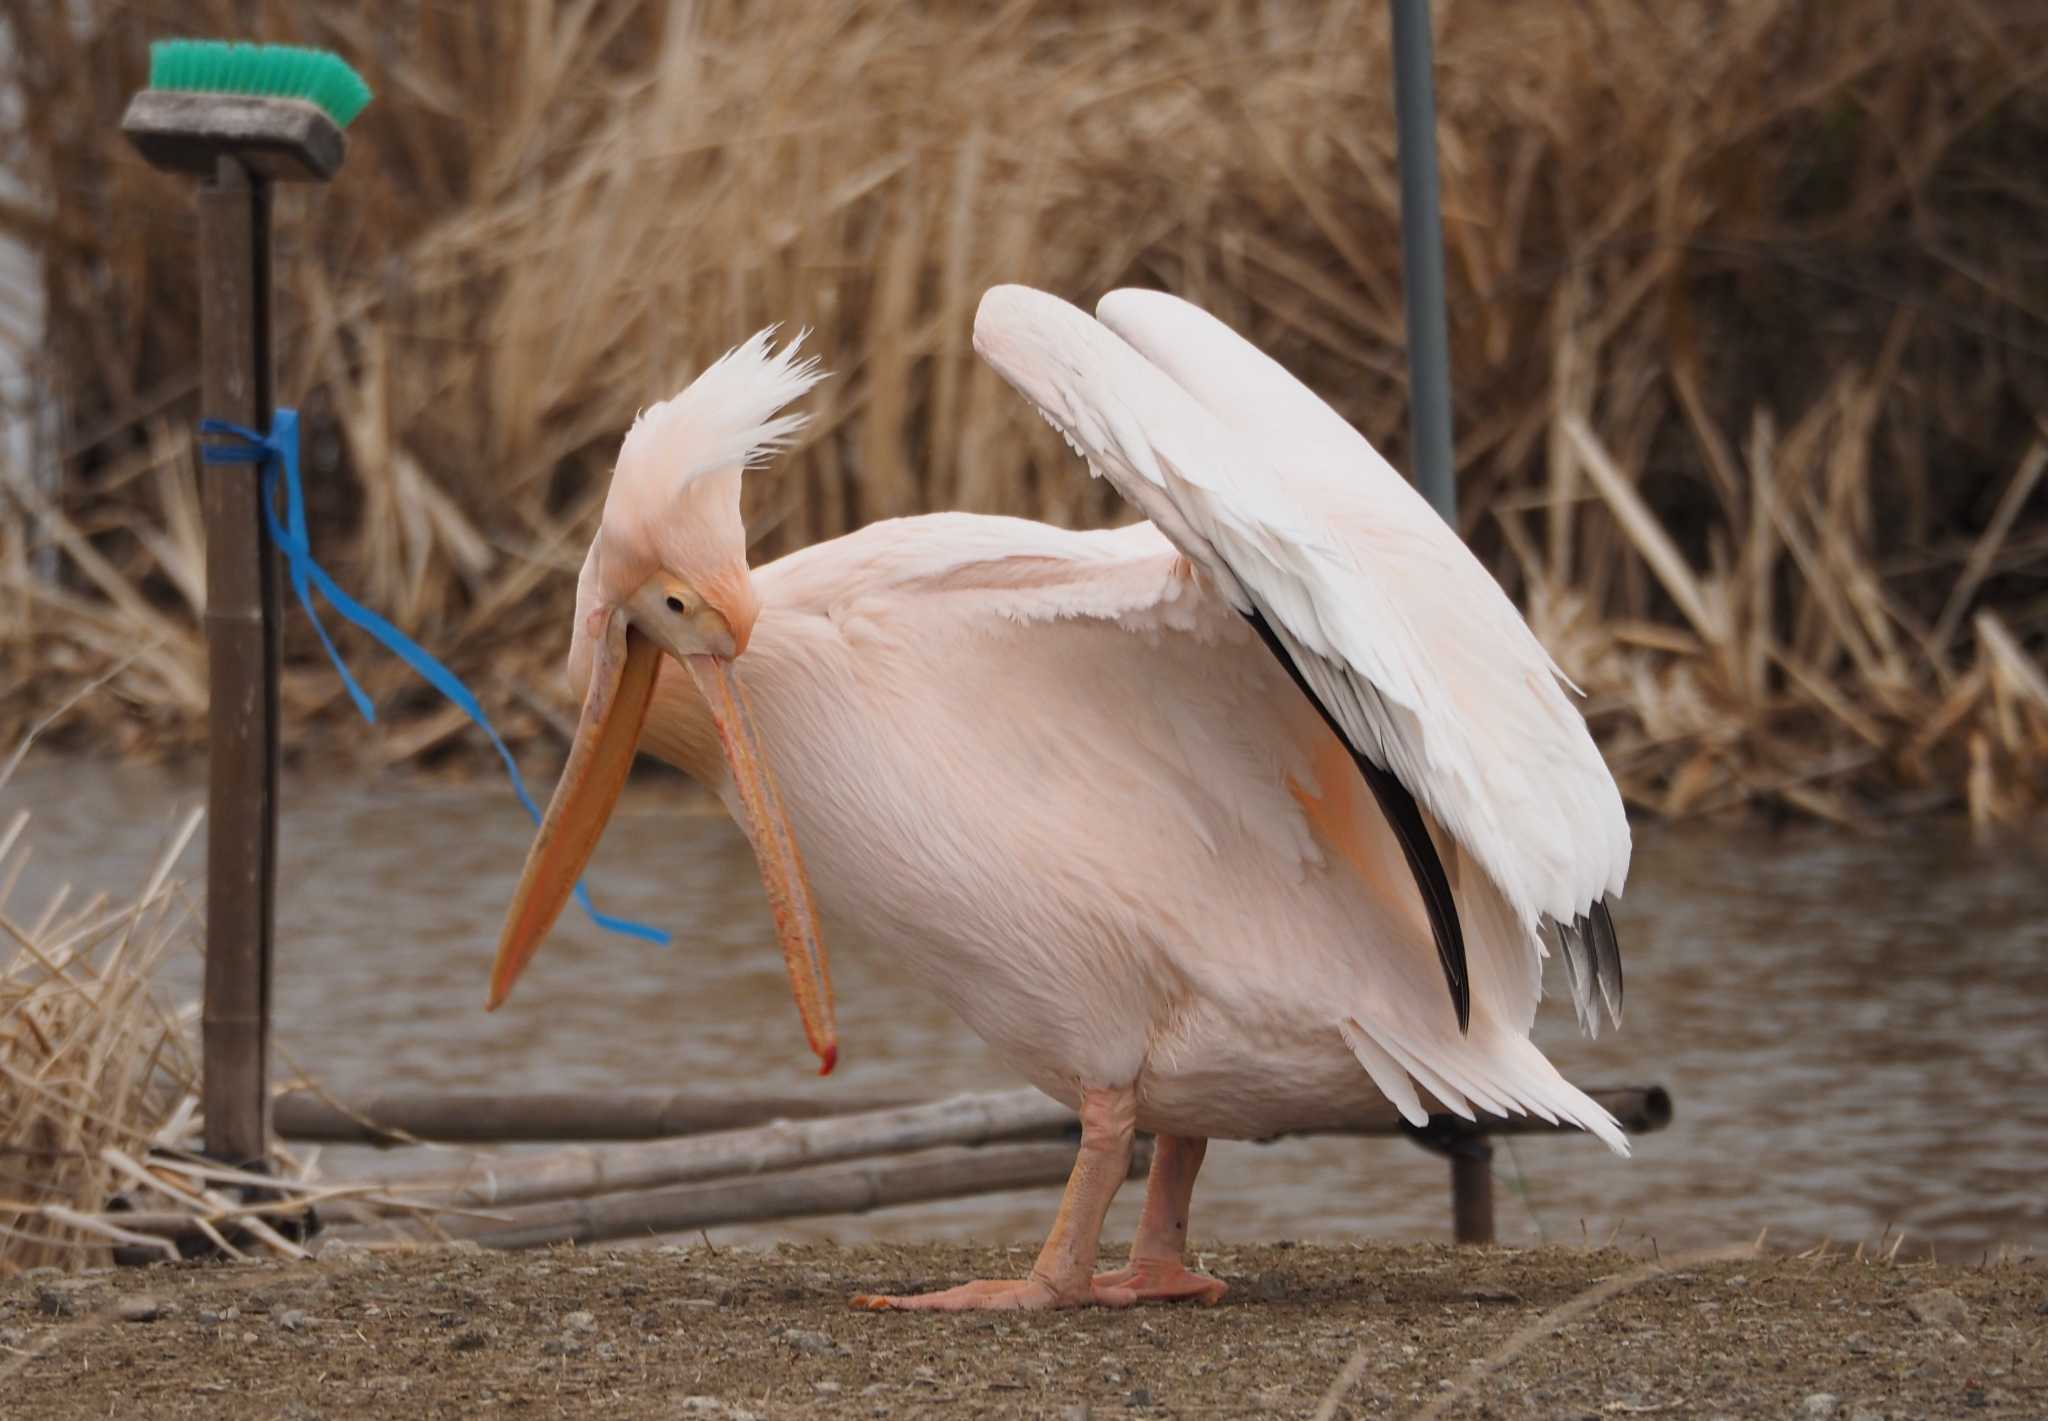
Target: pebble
564,1346
248,1338
341,1250
52,1302
292,1320
1820,1404
138,1307
468,1342
579,1322
1938,1307
815,1344
1486,1295
825,1388
13,1337
702,1403
1076,1412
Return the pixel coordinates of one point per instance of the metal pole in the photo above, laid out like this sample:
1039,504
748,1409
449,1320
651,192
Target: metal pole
1422,260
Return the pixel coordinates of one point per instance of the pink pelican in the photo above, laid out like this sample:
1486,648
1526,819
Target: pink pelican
1214,825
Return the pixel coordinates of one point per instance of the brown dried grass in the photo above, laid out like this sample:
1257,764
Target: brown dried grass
1749,307
100,1130
92,1068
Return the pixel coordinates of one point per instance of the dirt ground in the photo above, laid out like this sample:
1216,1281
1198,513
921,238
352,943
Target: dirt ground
726,1334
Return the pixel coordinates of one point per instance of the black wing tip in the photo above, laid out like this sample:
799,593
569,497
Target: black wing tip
1606,957
1592,958
1450,952
1425,865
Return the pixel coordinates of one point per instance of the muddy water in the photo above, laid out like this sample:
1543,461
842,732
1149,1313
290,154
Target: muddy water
1855,1030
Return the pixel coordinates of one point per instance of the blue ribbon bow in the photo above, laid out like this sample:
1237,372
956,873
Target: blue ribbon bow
280,449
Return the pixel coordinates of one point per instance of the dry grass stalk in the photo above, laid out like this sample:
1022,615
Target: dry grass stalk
1778,263
91,1067
99,1124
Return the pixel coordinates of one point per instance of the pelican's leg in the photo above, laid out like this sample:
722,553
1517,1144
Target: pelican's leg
1156,1271
1063,1275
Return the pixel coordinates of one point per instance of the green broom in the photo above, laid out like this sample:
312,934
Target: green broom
278,109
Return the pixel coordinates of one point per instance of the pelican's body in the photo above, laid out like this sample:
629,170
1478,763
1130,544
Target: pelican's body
1193,821
1055,777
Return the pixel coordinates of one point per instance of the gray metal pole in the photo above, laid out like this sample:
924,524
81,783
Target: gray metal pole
1422,260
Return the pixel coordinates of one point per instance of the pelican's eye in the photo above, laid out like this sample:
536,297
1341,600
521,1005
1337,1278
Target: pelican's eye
675,604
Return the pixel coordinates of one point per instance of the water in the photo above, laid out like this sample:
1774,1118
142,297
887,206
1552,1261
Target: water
1852,1028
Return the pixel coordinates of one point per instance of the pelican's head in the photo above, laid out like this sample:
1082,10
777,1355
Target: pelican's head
667,575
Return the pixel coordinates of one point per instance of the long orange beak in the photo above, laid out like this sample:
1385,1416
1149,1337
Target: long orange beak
614,713
782,867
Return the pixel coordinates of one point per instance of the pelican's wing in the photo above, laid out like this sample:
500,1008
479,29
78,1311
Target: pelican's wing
1388,622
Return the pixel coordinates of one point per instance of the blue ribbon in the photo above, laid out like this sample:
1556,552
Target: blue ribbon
280,449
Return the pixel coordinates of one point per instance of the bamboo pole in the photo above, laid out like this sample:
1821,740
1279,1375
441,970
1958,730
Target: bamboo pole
395,1117
948,1172
401,1117
583,1170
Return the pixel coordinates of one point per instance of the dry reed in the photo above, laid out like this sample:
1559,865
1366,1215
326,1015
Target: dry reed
92,1069
1749,309
100,1130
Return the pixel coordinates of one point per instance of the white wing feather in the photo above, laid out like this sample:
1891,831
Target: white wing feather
1288,510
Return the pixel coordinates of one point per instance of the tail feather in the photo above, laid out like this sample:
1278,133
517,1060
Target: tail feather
1502,1070
1385,1072
1452,1099
1456,1072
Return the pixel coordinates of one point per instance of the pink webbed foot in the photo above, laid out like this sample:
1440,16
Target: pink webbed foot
999,1295
1151,1280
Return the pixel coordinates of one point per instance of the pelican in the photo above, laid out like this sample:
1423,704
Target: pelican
1220,825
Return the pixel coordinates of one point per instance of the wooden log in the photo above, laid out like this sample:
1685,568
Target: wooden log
786,1144
948,1172
474,1117
480,1117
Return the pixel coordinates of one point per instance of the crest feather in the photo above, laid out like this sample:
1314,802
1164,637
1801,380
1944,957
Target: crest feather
725,419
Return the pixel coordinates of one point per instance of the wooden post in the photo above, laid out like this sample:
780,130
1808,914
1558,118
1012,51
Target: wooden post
242,628
1472,1189
237,145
